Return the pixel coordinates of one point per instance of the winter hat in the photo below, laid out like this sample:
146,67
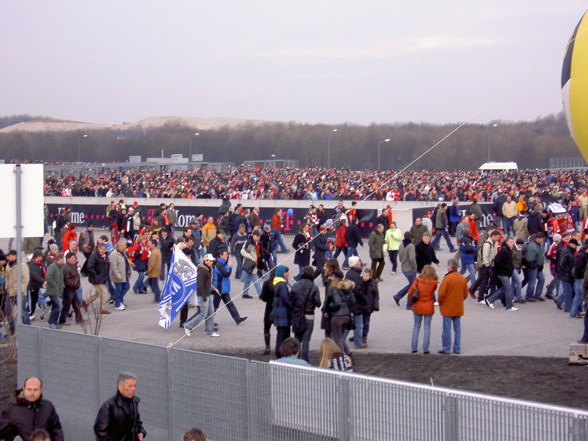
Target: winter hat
281,270
353,261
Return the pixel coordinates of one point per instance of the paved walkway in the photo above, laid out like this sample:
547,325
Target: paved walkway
537,329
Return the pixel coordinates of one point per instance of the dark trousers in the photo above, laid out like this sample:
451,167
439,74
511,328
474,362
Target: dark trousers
70,299
304,339
33,299
393,255
226,298
481,282
282,334
338,325
378,267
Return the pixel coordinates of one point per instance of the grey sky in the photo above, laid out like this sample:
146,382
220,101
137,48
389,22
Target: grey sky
320,61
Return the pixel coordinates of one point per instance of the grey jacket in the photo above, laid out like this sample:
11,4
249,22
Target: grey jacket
407,257
120,267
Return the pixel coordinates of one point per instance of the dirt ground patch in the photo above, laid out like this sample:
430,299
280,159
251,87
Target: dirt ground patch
545,380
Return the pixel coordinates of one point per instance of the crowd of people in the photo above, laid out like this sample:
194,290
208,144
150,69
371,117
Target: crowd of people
318,184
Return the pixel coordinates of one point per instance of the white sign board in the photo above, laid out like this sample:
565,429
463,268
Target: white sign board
31,201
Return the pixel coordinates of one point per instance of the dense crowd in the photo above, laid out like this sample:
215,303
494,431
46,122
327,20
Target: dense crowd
317,184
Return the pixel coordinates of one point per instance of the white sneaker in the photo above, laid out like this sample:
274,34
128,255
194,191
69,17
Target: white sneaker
488,304
436,303
512,308
214,334
187,331
120,308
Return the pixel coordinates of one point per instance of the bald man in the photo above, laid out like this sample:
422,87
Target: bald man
30,411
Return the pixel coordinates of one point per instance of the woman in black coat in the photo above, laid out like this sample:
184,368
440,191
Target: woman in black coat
301,246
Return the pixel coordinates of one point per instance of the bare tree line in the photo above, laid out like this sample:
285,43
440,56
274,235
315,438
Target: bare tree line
530,144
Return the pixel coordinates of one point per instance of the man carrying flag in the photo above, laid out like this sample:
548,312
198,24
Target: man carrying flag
204,296
179,286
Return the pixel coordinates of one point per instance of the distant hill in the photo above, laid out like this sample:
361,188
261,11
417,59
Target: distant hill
26,123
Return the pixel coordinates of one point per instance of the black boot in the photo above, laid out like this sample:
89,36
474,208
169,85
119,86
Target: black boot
364,336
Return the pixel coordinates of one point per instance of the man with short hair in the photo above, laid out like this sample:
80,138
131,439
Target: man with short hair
565,266
194,434
408,266
488,252
120,272
503,269
30,411
376,243
204,289
289,351
54,291
166,245
222,283
417,230
11,287
534,258
424,253
37,274
72,282
304,299
97,268
452,292
441,226
237,242
154,269
118,418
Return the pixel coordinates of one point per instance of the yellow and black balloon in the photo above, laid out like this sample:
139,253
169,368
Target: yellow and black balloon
574,85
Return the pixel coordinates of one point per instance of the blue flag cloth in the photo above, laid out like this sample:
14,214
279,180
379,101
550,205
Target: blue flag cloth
179,286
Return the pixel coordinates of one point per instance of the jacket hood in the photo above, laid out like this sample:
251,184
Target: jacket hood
346,284
17,397
405,242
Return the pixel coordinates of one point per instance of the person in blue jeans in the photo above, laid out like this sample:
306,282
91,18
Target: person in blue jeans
441,225
120,272
578,296
204,289
503,269
408,266
421,295
54,289
452,293
535,259
467,251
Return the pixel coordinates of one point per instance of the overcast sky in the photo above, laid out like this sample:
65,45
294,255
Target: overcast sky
307,61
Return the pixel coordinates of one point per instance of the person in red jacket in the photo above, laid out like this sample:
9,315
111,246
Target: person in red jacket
71,234
277,224
423,305
341,241
452,292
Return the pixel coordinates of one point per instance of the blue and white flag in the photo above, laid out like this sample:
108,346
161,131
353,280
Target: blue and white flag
179,286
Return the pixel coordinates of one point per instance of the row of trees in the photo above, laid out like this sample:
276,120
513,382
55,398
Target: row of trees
530,144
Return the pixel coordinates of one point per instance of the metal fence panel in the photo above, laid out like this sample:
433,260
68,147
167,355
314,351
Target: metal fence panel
234,399
209,391
149,363
69,369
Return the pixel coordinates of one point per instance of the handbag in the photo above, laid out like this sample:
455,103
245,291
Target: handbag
248,265
415,295
376,303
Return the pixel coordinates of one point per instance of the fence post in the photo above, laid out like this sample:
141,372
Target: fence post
344,400
451,418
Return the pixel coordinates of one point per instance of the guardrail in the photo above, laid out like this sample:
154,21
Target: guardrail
237,399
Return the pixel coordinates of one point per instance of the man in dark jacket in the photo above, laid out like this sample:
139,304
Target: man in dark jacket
424,252
166,245
320,248
97,269
535,221
36,279
218,244
503,269
359,308
353,238
30,411
72,282
118,418
564,271
204,289
304,299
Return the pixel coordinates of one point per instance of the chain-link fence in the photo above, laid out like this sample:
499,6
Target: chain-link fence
234,399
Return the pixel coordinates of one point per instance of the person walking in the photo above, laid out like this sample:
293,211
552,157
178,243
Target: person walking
441,226
281,308
204,289
54,289
503,269
421,295
376,243
392,241
408,266
452,293
304,299
222,283
97,268
120,272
